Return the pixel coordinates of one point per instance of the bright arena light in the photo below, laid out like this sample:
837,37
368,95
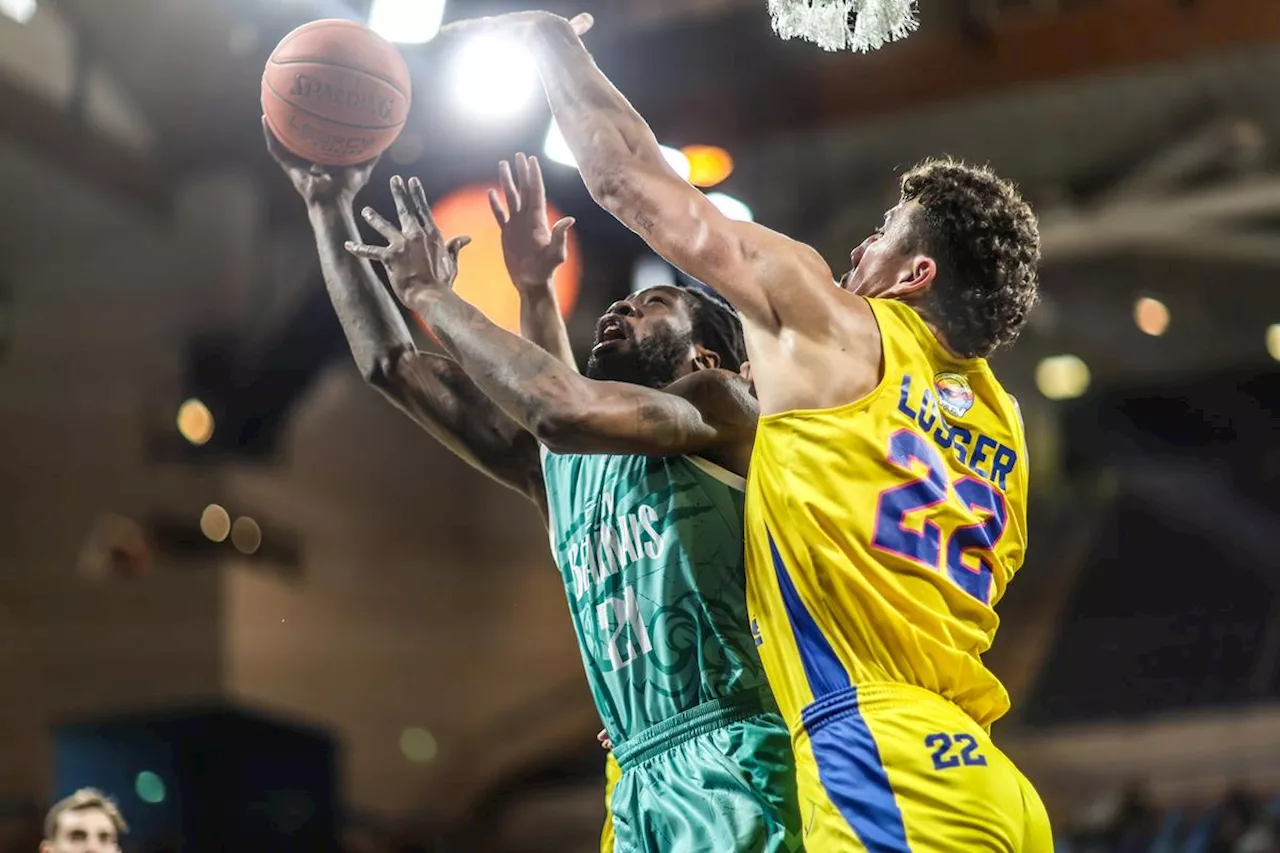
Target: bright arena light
402,21
19,10
732,207
1273,340
1062,377
676,160
556,149
493,77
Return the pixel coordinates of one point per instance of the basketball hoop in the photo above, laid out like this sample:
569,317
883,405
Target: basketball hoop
861,25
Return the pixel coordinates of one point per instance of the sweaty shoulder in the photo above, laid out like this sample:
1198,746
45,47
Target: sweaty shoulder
829,360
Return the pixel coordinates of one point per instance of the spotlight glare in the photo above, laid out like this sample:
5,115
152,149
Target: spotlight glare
406,21
1151,316
556,147
1062,377
731,207
493,77
19,10
676,160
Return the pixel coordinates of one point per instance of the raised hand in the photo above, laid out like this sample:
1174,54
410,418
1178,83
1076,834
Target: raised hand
417,256
531,247
315,183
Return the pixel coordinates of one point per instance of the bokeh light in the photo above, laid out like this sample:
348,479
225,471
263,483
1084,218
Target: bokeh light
195,422
215,523
1151,316
708,165
482,274
149,787
246,535
418,745
1062,377
1273,340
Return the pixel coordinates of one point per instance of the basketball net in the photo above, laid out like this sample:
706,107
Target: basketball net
861,25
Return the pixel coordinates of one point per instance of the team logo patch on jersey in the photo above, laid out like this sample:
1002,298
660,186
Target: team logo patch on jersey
954,394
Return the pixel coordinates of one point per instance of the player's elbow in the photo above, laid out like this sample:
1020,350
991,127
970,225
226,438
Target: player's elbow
558,429
382,371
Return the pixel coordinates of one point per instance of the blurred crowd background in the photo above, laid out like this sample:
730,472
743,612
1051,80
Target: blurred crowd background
250,601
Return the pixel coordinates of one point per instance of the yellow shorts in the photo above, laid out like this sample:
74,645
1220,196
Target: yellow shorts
891,768
612,773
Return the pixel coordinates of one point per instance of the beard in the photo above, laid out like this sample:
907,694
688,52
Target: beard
654,362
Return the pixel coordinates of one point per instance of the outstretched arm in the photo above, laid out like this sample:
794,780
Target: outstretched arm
431,389
533,250
566,411
772,280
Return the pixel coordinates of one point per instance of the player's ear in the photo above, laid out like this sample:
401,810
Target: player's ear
705,359
915,276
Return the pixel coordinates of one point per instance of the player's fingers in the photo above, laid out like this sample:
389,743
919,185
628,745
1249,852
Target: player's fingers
496,206
560,233
522,176
582,24
408,222
281,154
423,208
372,253
537,189
457,244
382,226
508,185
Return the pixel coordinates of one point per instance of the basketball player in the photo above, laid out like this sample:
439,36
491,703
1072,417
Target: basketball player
649,546
85,822
886,508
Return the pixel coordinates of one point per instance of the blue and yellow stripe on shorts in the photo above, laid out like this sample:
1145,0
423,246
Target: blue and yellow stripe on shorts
858,786
894,768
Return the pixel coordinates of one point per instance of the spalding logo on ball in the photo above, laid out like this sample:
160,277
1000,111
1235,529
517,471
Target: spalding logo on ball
336,93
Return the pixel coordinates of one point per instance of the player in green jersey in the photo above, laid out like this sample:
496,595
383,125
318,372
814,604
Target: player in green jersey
641,489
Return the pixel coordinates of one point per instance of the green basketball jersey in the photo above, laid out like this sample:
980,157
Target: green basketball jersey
651,553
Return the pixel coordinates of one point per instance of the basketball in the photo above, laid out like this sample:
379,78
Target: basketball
335,93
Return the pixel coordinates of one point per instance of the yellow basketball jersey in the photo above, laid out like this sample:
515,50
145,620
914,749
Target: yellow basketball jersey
881,534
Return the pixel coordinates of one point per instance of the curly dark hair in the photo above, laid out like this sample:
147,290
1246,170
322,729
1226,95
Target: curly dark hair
986,242
716,326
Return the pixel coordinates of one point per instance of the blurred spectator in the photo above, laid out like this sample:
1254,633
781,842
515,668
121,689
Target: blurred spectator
86,822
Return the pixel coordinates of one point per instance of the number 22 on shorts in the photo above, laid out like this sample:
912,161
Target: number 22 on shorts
943,756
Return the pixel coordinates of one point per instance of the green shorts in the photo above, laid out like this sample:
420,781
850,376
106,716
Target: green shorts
719,777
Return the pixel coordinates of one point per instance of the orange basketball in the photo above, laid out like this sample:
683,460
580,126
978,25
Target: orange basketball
335,92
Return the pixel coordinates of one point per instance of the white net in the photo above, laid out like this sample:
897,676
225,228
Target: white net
860,25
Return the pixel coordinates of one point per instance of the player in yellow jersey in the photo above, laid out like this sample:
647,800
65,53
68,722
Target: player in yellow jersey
886,503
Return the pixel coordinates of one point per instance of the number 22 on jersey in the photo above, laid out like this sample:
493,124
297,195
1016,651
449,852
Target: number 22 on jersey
965,555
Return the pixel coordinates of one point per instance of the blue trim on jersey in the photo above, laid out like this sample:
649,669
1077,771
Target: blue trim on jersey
821,666
852,772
